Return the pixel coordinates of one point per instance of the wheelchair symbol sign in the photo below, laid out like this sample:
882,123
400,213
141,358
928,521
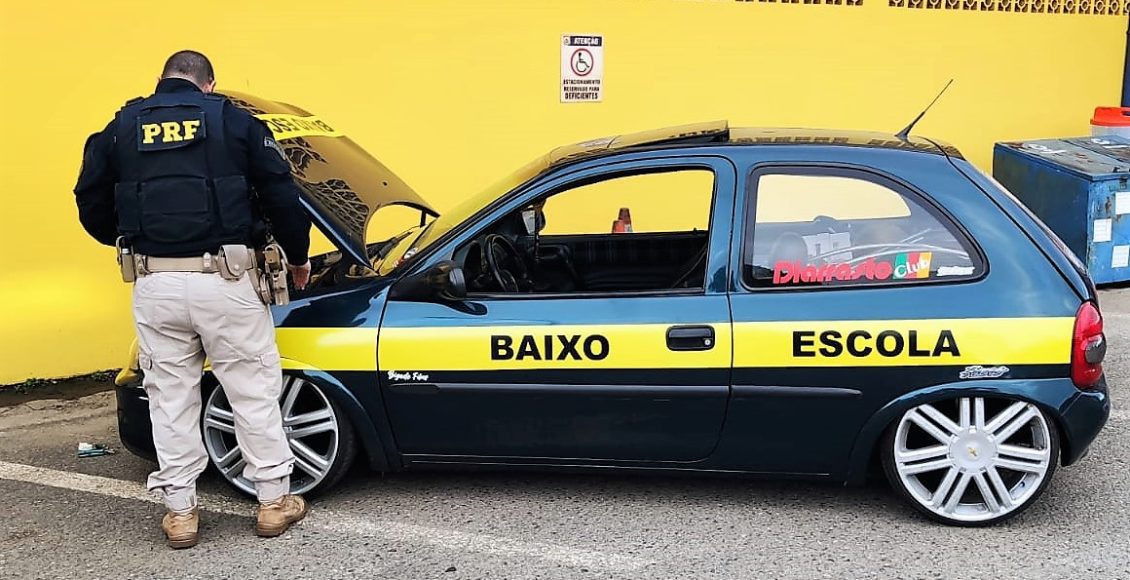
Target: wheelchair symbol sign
582,68
581,62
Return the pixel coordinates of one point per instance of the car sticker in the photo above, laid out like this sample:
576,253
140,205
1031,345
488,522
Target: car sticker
799,273
980,372
407,376
923,342
767,344
291,126
955,271
906,266
592,347
597,346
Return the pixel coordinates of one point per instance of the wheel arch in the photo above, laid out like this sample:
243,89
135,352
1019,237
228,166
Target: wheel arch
1052,396
360,420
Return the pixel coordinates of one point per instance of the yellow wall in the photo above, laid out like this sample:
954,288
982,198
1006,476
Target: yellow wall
453,94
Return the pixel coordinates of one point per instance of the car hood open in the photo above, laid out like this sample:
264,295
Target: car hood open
342,185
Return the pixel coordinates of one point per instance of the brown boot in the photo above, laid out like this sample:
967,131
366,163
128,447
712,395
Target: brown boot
275,517
181,530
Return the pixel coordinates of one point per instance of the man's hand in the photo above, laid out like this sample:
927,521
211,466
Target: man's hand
300,274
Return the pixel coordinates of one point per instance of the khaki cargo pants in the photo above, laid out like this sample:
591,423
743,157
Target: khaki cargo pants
181,316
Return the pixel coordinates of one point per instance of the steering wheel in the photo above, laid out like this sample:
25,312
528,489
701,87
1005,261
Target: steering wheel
499,250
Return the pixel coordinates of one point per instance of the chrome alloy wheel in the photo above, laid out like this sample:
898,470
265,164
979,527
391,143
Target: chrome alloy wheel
312,428
973,459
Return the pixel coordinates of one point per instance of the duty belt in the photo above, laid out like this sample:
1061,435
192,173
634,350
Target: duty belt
232,262
266,268
153,264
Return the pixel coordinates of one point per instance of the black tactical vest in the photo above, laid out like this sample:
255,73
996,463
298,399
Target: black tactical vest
180,194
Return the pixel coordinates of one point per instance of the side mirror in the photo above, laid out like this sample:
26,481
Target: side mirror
446,280
443,280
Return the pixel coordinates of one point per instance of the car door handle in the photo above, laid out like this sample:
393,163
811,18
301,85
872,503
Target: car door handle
690,337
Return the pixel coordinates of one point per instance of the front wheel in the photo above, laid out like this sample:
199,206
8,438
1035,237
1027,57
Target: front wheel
971,461
319,434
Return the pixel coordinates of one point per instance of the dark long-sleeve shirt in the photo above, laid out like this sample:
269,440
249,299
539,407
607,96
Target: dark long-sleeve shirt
253,150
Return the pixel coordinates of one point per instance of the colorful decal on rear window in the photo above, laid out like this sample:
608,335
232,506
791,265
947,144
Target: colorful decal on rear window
913,265
906,266
799,273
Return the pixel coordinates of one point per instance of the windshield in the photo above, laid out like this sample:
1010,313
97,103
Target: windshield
394,254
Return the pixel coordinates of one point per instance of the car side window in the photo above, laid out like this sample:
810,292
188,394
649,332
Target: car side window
631,232
672,201
809,227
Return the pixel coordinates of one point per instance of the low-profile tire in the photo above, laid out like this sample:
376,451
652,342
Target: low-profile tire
318,430
971,461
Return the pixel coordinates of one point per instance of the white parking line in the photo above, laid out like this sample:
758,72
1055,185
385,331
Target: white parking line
329,521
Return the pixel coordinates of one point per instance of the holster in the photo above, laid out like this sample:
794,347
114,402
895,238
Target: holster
237,260
271,275
126,260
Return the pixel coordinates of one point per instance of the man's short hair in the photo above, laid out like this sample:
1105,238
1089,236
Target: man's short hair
189,64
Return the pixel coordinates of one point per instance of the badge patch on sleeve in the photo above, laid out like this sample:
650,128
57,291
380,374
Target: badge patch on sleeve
170,130
272,144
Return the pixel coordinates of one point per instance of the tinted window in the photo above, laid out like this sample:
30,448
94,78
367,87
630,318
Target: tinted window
823,228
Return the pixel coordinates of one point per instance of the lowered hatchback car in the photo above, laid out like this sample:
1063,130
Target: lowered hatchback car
751,301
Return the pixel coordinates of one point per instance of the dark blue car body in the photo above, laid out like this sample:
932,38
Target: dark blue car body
820,421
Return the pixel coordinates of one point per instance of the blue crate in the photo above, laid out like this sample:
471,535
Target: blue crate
1078,186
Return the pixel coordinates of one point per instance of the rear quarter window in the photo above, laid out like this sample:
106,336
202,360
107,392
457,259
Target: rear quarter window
821,227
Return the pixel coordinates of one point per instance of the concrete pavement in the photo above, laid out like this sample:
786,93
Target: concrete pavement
65,517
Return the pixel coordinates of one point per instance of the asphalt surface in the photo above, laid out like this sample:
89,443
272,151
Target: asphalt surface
65,517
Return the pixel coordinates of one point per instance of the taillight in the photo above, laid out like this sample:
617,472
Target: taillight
1088,346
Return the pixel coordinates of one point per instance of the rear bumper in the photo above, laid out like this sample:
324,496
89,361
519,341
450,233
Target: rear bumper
1082,419
134,428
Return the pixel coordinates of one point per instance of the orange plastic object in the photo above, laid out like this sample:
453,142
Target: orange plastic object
626,217
1111,117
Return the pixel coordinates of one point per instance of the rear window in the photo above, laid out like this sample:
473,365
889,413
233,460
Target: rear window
815,227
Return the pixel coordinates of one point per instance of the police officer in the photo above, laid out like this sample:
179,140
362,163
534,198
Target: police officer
183,179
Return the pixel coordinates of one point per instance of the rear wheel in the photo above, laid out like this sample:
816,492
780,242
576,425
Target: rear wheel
971,461
319,434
